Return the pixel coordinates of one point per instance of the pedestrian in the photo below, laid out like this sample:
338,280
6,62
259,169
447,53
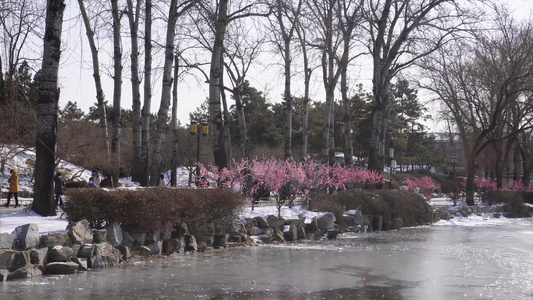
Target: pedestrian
91,183
162,181
96,178
13,187
107,182
59,187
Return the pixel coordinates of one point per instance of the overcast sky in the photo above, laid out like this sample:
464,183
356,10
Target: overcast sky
77,83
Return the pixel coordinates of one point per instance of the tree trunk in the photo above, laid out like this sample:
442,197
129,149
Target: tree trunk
216,118
162,115
135,88
146,115
117,92
348,148
287,96
173,173
245,145
100,96
46,139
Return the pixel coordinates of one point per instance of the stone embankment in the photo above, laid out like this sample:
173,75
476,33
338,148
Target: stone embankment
26,254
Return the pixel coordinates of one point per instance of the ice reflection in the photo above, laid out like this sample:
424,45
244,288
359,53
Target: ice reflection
417,263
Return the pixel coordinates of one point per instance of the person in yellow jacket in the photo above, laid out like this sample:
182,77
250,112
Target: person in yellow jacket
13,187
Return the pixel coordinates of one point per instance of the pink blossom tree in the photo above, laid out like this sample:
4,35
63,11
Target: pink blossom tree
425,185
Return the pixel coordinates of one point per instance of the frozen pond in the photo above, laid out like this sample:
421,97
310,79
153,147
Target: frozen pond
438,262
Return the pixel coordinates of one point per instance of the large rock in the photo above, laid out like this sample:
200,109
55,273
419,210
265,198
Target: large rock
27,236
55,239
296,222
114,235
152,237
99,236
6,241
171,246
261,222
21,259
190,243
278,236
6,258
39,256
301,233
80,232
25,272
326,221
82,263
127,240
331,234
60,254
138,238
220,241
254,231
105,256
265,239
290,233
180,231
125,251
62,268
3,274
87,251
156,248
275,222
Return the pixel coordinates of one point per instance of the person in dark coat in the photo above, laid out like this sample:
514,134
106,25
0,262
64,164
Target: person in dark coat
13,187
107,182
91,183
59,187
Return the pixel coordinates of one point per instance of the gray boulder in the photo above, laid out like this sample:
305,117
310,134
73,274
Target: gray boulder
265,239
125,252
25,273
21,259
156,248
27,236
171,246
301,233
60,254
62,268
254,231
6,258
190,243
261,222
138,238
80,232
326,221
87,251
114,235
220,241
105,256
82,263
152,237
290,233
278,236
331,234
275,222
6,241
99,236
127,240
143,251
296,222
397,224
55,239
3,274
39,256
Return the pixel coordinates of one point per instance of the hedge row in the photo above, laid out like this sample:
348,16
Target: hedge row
153,209
389,204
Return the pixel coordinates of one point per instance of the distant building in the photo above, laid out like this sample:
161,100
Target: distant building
451,145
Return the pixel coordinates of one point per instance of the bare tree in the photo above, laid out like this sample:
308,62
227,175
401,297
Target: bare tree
286,14
400,33
100,96
43,201
336,21
133,17
480,83
174,124
145,118
175,11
